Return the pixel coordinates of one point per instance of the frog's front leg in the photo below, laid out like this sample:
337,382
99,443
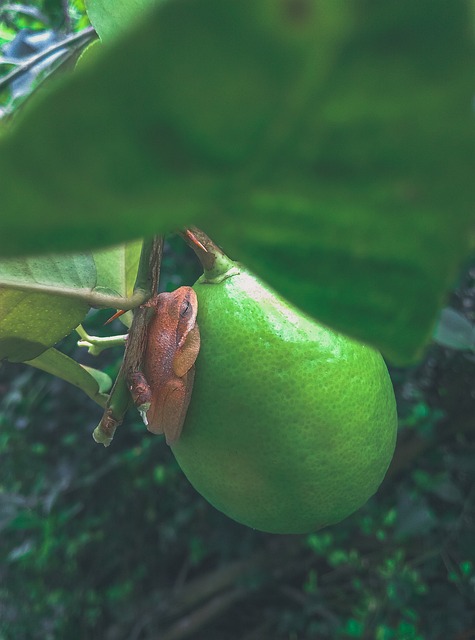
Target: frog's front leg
141,393
163,411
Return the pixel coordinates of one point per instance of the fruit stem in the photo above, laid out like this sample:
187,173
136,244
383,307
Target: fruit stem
216,264
95,344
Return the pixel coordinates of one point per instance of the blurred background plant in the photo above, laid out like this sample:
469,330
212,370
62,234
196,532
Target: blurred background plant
115,544
36,40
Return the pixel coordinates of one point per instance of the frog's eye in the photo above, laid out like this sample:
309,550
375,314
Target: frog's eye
185,307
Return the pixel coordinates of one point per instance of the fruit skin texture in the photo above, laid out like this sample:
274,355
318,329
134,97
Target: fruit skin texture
291,426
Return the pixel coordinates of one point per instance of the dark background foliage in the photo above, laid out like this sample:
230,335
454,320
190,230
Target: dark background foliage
115,544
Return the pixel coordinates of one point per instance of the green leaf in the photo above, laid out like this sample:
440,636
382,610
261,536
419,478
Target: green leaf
117,268
110,17
126,157
93,382
43,299
103,381
116,271
327,144
367,225
31,322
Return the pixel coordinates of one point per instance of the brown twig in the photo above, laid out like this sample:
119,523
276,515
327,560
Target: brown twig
119,399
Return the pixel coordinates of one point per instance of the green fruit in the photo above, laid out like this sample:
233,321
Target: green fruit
291,426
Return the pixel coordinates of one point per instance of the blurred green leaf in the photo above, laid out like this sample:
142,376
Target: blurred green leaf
147,158
110,17
329,145
367,226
